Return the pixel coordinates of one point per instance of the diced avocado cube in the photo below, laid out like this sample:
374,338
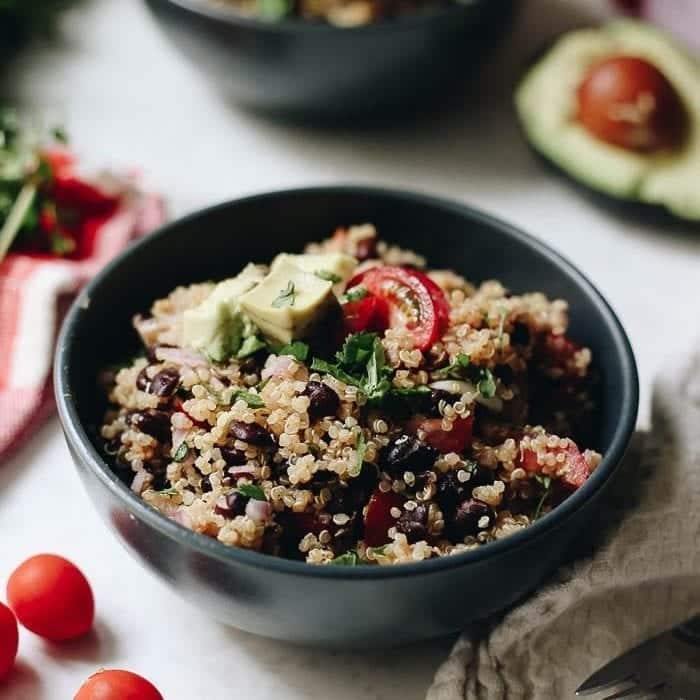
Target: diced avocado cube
326,265
288,302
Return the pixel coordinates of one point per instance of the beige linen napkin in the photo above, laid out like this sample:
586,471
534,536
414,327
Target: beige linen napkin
643,579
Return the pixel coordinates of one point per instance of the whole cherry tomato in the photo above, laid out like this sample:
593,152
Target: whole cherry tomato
117,685
51,597
628,102
9,638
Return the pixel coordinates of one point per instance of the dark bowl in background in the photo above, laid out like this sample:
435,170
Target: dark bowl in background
333,606
297,68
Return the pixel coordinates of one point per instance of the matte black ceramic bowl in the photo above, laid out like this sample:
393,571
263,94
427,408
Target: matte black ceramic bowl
299,68
292,600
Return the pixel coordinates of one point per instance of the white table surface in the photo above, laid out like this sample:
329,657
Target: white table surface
128,98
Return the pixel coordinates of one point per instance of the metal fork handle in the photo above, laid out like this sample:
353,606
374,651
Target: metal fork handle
689,631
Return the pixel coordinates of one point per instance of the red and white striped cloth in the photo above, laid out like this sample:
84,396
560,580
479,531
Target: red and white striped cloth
33,295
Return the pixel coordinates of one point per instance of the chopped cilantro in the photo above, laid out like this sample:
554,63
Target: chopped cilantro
286,296
355,294
486,384
180,453
356,350
334,370
253,400
252,491
455,370
328,276
298,350
273,9
350,558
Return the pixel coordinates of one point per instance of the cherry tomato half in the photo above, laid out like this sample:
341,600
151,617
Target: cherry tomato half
379,518
629,102
368,314
577,469
455,440
9,639
117,685
51,597
413,301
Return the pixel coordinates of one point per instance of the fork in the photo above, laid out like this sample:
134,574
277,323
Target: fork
666,667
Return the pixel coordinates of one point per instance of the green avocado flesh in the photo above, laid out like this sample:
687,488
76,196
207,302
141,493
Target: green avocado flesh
546,104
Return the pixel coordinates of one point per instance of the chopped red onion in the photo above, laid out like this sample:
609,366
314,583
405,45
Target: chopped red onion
259,511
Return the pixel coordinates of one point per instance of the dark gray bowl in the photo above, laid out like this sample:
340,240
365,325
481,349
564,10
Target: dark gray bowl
337,606
301,69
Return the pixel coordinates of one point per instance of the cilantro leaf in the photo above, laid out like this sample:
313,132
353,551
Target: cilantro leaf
456,368
334,370
298,350
328,276
252,491
486,384
253,400
286,297
350,558
181,452
356,351
172,491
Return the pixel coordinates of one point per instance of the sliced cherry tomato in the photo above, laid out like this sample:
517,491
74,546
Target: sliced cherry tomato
379,518
456,440
577,469
117,685
9,639
368,314
558,351
413,301
628,102
51,597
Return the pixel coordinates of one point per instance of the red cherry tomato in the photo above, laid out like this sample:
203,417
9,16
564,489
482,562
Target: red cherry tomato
51,597
9,639
117,685
379,518
70,191
628,102
577,469
455,440
412,299
368,314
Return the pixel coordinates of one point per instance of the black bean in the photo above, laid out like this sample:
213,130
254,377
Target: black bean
205,484
323,401
366,248
231,505
466,519
437,395
153,422
142,380
520,334
480,476
113,446
504,373
407,453
449,492
160,482
414,523
165,383
252,433
233,457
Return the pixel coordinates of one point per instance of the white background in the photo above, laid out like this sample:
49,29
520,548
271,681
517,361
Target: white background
128,98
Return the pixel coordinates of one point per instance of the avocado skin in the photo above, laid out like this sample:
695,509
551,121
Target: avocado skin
623,207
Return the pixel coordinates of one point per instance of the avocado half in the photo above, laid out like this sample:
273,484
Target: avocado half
546,104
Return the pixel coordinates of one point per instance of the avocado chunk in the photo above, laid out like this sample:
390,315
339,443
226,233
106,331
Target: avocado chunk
288,302
546,103
333,267
217,326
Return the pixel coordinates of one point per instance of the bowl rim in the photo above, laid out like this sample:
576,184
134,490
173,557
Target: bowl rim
78,439
211,11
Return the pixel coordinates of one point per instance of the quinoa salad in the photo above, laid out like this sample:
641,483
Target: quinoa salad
350,406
